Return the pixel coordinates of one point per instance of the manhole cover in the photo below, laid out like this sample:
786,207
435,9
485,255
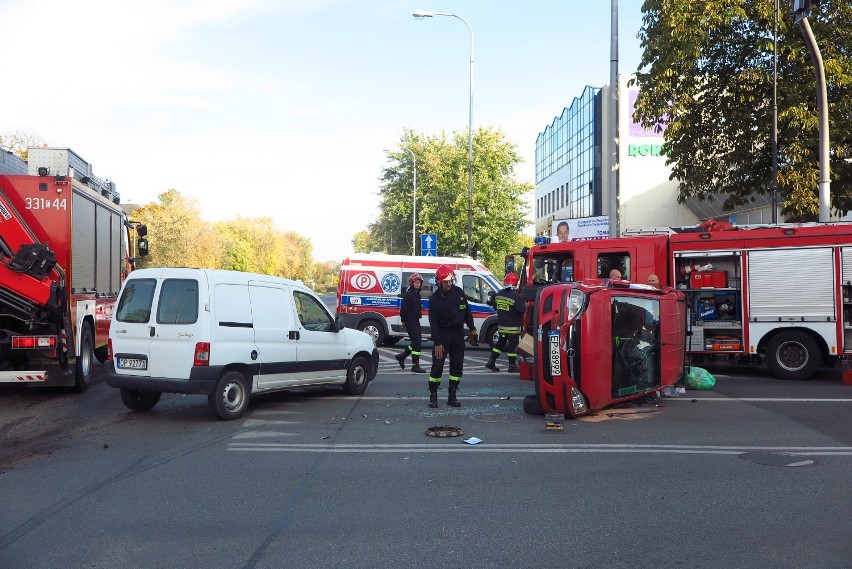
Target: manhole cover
444,431
496,417
777,459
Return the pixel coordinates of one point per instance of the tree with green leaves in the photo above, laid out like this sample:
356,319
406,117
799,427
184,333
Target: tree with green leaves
499,208
706,74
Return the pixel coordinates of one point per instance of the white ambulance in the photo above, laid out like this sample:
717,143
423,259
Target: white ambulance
370,289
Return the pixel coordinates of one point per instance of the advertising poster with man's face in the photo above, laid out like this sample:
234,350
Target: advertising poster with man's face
583,229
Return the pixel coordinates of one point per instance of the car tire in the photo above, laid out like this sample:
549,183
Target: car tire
85,360
357,376
792,355
492,336
374,330
139,401
532,406
230,398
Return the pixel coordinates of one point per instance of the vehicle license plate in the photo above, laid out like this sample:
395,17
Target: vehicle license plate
555,354
132,363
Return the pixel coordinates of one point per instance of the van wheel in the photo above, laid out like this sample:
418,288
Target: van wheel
792,355
139,400
375,330
357,377
230,398
85,360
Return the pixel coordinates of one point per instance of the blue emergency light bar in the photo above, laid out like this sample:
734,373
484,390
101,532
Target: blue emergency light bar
541,240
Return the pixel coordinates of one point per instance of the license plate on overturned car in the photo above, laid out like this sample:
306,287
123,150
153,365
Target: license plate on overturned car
131,363
555,353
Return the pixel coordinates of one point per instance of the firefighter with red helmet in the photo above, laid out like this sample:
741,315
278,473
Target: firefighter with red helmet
510,313
448,314
409,315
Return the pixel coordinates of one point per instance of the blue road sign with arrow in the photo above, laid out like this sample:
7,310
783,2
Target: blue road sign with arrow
429,244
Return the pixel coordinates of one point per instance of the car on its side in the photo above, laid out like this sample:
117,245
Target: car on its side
228,335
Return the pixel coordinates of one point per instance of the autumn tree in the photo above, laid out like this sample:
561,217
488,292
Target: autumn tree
499,208
707,74
19,143
177,235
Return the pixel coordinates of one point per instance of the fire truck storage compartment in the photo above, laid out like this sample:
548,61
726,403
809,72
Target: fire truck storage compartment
791,285
716,306
96,243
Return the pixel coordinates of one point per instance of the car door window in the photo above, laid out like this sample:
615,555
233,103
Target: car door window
475,289
312,314
135,304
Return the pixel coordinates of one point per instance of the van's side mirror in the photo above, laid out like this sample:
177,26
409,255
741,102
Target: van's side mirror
338,323
491,296
142,246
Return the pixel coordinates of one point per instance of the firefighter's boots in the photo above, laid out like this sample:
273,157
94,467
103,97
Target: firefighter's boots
433,394
451,400
492,365
400,357
415,365
513,368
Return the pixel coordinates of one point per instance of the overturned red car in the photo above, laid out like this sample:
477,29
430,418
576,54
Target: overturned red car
599,343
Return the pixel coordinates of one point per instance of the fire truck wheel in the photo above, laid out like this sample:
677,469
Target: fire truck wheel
792,355
139,400
532,406
230,398
85,360
357,377
375,330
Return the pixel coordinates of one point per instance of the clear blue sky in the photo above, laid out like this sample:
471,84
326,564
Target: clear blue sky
283,108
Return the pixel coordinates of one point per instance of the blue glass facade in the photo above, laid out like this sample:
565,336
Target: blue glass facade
568,162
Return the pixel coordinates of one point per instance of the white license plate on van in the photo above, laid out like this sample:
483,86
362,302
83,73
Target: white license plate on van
131,363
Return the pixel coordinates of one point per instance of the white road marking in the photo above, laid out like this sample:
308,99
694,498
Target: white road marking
533,448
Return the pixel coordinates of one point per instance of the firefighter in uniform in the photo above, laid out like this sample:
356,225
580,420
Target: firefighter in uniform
409,314
448,313
510,312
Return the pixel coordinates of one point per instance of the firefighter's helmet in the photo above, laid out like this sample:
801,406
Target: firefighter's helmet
445,273
415,277
511,279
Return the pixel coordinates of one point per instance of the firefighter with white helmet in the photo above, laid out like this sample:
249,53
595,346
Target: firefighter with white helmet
510,312
409,315
448,313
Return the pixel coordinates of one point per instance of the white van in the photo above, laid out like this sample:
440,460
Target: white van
227,334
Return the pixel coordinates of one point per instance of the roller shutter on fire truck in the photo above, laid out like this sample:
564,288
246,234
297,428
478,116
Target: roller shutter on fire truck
792,285
96,245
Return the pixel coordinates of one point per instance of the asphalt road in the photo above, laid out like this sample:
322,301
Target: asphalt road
750,474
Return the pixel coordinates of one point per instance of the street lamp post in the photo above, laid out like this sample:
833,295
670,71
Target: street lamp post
420,14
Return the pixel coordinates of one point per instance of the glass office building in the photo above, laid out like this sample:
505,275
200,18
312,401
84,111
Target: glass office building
568,163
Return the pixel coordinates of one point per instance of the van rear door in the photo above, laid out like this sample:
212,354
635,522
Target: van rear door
176,327
130,330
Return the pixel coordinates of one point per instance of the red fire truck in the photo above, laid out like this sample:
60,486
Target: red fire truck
775,293
600,343
64,252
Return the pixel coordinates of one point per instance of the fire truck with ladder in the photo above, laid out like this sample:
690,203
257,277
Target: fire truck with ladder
64,253
779,294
